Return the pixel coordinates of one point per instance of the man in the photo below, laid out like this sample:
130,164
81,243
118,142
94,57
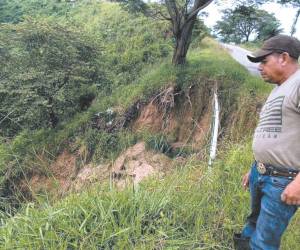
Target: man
273,180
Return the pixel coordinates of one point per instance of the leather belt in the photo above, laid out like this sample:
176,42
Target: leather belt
267,169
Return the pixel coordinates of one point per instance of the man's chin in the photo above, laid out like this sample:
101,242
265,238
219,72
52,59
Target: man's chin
267,79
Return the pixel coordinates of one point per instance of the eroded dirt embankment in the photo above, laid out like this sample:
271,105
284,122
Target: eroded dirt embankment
183,115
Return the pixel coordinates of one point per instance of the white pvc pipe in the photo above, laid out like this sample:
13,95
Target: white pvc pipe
214,139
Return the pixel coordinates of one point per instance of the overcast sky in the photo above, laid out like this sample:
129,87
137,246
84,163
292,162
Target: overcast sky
283,14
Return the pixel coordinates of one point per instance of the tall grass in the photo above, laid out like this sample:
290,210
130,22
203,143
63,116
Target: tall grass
184,211
194,208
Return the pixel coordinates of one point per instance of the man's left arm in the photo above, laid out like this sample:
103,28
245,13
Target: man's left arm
291,194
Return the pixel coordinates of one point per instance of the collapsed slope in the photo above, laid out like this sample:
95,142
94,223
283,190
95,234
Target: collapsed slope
169,108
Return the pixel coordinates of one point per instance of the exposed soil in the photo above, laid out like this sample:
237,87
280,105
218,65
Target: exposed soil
89,175
137,163
132,166
58,179
183,114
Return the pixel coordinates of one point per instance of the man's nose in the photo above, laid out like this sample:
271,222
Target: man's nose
260,67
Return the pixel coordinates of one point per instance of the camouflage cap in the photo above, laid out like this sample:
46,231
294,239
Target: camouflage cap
277,44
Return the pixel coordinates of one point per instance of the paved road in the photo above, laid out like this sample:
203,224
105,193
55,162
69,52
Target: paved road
240,55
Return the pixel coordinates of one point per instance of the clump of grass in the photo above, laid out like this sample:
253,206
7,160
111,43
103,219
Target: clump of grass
159,143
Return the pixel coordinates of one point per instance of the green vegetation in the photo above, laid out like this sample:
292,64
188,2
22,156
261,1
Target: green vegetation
154,215
239,24
181,16
14,11
49,73
71,78
52,71
251,46
54,66
207,64
193,208
129,42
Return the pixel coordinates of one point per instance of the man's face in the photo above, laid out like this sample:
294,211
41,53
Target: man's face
270,68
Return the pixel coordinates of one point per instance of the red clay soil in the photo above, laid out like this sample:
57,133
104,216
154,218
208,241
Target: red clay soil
187,122
186,116
59,177
132,166
137,163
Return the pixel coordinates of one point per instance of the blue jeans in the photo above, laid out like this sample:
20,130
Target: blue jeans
269,215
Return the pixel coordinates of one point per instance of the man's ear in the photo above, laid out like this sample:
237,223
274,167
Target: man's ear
284,58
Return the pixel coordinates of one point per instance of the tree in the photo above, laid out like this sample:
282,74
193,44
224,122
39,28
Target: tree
269,26
182,14
293,3
240,24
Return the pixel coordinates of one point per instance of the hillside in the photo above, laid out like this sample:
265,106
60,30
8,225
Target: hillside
104,144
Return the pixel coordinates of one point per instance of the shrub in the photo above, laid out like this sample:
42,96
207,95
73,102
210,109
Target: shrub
48,73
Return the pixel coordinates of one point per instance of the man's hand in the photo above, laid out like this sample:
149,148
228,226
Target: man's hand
245,181
291,194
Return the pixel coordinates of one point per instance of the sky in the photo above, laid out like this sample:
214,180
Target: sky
284,14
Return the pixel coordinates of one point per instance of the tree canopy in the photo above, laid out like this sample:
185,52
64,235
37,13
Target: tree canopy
245,22
294,3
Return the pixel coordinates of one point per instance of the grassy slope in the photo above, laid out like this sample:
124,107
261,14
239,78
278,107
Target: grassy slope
194,208
206,64
19,156
129,43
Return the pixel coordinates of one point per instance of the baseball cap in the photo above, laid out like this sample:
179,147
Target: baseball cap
279,44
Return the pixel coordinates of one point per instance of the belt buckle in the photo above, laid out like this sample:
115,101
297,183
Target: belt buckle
261,168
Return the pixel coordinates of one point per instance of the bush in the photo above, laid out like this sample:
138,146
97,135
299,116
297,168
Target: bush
49,73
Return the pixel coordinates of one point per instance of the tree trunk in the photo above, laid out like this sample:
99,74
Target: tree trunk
293,29
183,21
183,41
